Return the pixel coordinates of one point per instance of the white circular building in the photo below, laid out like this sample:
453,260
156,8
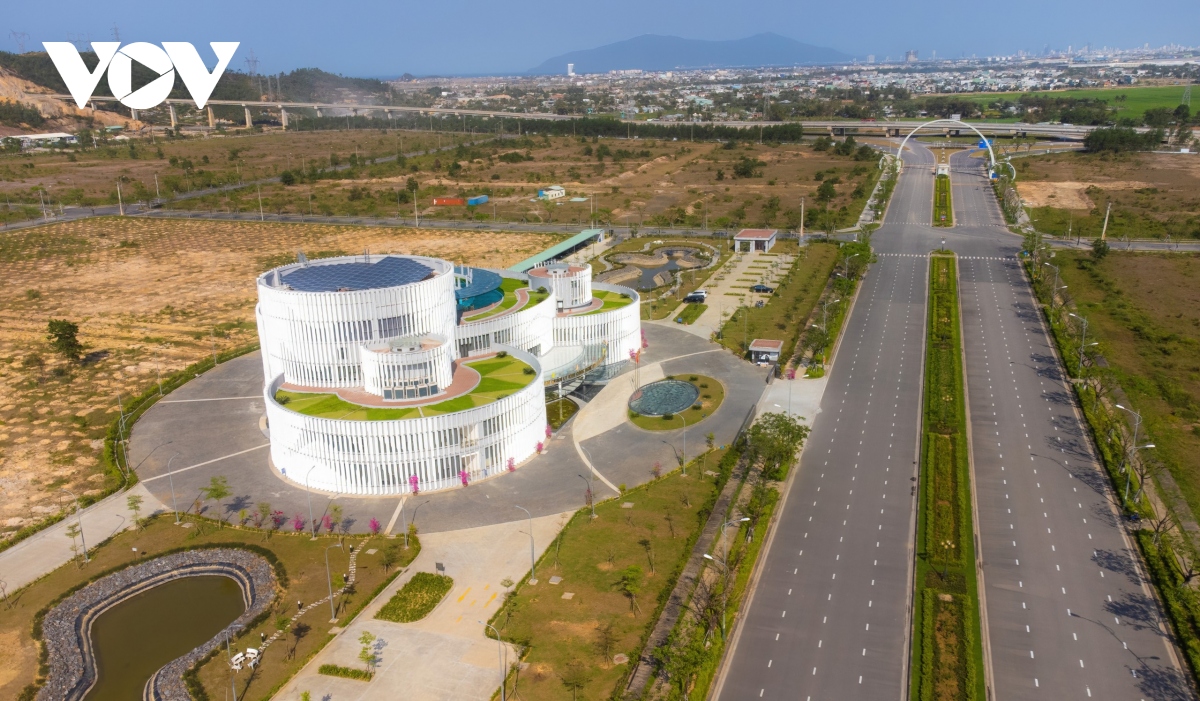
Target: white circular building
392,374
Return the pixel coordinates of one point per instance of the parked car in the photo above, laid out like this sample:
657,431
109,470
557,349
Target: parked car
762,289
696,296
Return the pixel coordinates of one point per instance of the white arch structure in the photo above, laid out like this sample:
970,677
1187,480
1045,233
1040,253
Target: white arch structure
991,153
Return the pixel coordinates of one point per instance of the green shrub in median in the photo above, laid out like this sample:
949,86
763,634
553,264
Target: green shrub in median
947,656
417,598
333,670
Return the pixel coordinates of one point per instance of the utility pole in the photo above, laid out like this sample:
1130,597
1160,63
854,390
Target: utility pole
1104,231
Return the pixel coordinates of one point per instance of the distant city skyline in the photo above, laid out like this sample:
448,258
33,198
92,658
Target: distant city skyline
379,39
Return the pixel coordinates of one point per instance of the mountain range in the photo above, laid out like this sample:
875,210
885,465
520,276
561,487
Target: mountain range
653,52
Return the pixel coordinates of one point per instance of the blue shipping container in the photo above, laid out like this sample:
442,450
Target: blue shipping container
477,199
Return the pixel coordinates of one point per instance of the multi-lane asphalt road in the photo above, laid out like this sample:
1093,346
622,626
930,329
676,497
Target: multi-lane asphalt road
1068,612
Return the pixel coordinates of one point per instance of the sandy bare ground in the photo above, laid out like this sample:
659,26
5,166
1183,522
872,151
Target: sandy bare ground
148,295
1069,194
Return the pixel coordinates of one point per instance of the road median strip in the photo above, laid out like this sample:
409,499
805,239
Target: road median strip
947,653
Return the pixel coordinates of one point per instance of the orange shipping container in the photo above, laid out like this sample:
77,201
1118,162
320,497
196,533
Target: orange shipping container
447,201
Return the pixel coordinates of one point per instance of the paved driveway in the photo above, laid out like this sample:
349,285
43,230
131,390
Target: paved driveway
215,425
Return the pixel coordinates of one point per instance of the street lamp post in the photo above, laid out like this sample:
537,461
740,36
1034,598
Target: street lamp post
825,311
724,588
171,480
1054,289
590,498
947,546
683,465
79,520
532,561
417,510
1134,447
329,581
501,656
1082,339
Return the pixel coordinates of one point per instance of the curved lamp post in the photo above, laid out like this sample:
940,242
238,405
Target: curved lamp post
532,560
501,656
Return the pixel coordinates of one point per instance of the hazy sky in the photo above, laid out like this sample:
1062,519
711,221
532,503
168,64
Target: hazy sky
378,38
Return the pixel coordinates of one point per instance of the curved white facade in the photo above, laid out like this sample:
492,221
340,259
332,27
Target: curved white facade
312,338
571,284
382,457
381,331
407,368
621,328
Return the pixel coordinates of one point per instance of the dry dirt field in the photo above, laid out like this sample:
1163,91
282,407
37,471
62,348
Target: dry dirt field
91,179
622,182
1153,195
147,295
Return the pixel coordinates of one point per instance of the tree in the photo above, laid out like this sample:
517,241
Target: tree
367,653
335,516
606,639
575,677
1099,249
630,584
774,439
134,503
388,557
217,489
263,514
73,533
681,658
412,185
63,337
826,191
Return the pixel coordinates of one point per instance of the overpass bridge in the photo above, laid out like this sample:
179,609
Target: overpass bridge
866,127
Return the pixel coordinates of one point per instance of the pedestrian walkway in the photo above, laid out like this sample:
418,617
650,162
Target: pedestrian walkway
446,655
49,549
726,294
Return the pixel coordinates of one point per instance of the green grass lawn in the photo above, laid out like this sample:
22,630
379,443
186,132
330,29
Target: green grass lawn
611,300
712,393
560,411
417,598
691,312
500,377
564,637
302,561
510,287
1137,100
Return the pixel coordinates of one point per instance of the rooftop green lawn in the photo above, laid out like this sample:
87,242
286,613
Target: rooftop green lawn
499,377
612,300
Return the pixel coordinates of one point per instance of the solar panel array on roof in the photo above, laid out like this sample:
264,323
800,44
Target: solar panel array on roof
358,275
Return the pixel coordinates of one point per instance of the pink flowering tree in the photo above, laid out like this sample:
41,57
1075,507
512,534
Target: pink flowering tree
373,524
512,465
656,470
298,523
791,373
645,343
549,431
277,519
540,445
414,483
462,475
327,523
